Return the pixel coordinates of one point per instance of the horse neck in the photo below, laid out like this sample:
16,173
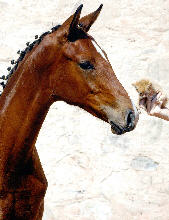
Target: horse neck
23,107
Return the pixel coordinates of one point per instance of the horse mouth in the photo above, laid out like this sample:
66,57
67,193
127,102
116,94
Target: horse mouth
119,130
116,129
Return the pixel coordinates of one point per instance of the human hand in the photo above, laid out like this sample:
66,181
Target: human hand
152,104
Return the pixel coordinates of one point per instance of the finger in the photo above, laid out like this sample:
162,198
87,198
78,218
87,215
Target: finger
162,98
148,104
159,94
142,102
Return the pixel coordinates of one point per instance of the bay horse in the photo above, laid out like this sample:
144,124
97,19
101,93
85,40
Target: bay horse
64,64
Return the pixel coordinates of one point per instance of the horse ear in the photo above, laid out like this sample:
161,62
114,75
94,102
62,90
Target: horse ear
87,21
76,32
76,17
71,24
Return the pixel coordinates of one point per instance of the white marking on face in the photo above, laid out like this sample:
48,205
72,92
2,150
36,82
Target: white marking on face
136,112
99,50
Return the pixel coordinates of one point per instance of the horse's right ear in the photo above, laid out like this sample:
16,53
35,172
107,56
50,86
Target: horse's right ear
87,21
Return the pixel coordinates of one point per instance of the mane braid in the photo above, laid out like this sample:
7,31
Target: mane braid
4,79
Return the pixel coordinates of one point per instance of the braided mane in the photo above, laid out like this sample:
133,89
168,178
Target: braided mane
4,79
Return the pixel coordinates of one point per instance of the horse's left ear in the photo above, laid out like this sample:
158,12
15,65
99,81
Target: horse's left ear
86,22
73,34
71,24
75,21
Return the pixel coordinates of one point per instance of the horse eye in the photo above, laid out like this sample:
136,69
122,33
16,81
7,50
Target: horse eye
86,65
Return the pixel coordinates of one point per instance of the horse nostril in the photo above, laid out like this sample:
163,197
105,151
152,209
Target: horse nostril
130,120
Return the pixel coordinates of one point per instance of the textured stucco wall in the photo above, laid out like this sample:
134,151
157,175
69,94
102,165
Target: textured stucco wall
93,174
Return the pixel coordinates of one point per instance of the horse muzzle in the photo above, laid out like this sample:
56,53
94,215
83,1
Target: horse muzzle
131,121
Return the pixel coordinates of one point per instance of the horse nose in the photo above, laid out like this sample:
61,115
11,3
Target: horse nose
130,118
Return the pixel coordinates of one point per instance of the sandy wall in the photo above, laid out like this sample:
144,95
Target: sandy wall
93,174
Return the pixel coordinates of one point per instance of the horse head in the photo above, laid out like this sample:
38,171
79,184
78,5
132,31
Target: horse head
80,73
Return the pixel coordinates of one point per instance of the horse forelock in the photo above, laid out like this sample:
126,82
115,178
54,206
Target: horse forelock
77,34
30,46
